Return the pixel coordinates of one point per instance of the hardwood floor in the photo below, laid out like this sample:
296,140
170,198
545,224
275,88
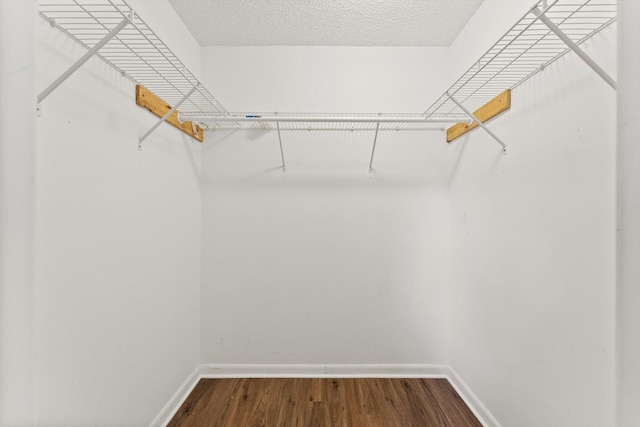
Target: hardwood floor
320,402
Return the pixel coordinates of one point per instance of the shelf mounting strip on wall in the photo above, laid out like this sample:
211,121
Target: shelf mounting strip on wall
110,30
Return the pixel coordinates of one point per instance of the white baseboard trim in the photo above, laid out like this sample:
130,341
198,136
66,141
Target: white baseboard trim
178,398
325,371
473,402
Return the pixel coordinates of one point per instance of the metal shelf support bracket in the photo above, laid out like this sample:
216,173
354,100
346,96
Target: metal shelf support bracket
64,76
373,150
284,167
574,47
482,125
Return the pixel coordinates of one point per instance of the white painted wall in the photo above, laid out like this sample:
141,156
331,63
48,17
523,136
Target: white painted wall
628,268
490,22
326,79
533,237
17,169
324,265
501,266
117,243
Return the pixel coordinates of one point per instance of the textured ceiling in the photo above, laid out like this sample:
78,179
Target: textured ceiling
325,22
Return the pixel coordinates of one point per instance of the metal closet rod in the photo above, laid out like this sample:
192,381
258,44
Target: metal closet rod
315,119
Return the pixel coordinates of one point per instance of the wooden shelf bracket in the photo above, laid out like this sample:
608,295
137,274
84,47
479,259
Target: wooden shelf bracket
147,99
487,111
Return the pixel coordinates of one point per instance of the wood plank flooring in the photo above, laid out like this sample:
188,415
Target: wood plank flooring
320,402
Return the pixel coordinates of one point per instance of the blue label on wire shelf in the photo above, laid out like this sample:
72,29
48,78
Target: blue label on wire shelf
253,117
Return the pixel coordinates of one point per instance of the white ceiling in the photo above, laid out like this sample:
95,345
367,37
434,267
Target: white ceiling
325,22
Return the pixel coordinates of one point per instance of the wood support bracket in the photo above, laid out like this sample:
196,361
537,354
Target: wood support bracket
488,111
157,106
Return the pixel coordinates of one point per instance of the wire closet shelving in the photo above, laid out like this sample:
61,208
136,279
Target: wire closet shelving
135,50
110,30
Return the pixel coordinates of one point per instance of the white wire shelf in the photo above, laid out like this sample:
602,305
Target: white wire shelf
322,121
526,49
138,53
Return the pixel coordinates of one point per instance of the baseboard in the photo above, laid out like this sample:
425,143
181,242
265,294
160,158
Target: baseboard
473,402
172,406
325,371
